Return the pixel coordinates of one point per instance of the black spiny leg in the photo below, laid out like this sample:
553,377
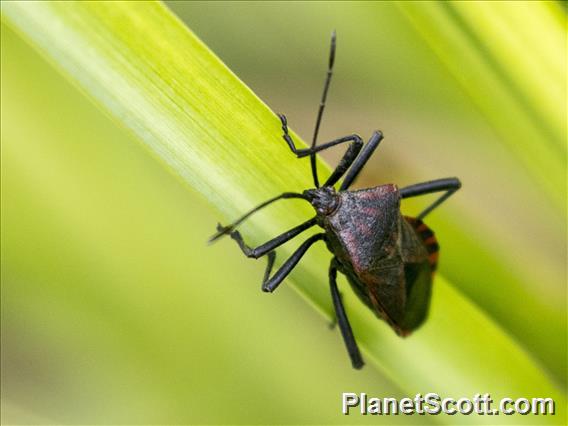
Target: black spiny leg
362,159
267,247
304,152
347,333
269,284
333,322
346,161
354,158
450,185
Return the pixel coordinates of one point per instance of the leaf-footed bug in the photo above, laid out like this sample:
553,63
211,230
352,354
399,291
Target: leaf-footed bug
388,259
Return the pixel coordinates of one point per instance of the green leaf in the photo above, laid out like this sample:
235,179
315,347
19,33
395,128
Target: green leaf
152,75
517,81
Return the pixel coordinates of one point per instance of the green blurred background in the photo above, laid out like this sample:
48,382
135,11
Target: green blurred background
114,310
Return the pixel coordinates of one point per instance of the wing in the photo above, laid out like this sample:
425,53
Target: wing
365,233
420,263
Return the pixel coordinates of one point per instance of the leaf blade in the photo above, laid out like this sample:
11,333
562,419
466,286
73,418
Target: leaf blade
182,122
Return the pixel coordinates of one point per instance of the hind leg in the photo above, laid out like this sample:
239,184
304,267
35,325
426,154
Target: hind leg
449,185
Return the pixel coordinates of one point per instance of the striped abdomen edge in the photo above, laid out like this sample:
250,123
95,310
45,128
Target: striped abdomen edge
428,238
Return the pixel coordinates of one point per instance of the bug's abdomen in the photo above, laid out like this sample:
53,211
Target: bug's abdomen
421,257
428,238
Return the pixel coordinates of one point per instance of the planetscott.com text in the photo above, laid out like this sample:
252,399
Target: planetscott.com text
432,403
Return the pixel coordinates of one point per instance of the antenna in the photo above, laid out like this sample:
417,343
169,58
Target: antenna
322,106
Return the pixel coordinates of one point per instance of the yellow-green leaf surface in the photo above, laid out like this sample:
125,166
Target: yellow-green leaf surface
506,76
142,66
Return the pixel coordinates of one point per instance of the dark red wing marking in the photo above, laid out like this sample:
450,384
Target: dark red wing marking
428,238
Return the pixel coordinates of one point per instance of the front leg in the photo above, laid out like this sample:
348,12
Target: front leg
271,244
304,152
361,160
269,284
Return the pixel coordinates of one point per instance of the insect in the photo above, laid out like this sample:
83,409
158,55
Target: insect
388,259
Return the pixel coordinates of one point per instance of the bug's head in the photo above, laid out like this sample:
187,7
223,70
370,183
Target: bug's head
325,200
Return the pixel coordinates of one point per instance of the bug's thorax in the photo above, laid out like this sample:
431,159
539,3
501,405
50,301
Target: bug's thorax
364,228
325,200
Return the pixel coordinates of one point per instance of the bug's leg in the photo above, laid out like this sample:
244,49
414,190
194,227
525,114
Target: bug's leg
355,159
225,230
267,247
449,185
348,158
270,283
344,326
333,322
362,159
271,258
304,152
